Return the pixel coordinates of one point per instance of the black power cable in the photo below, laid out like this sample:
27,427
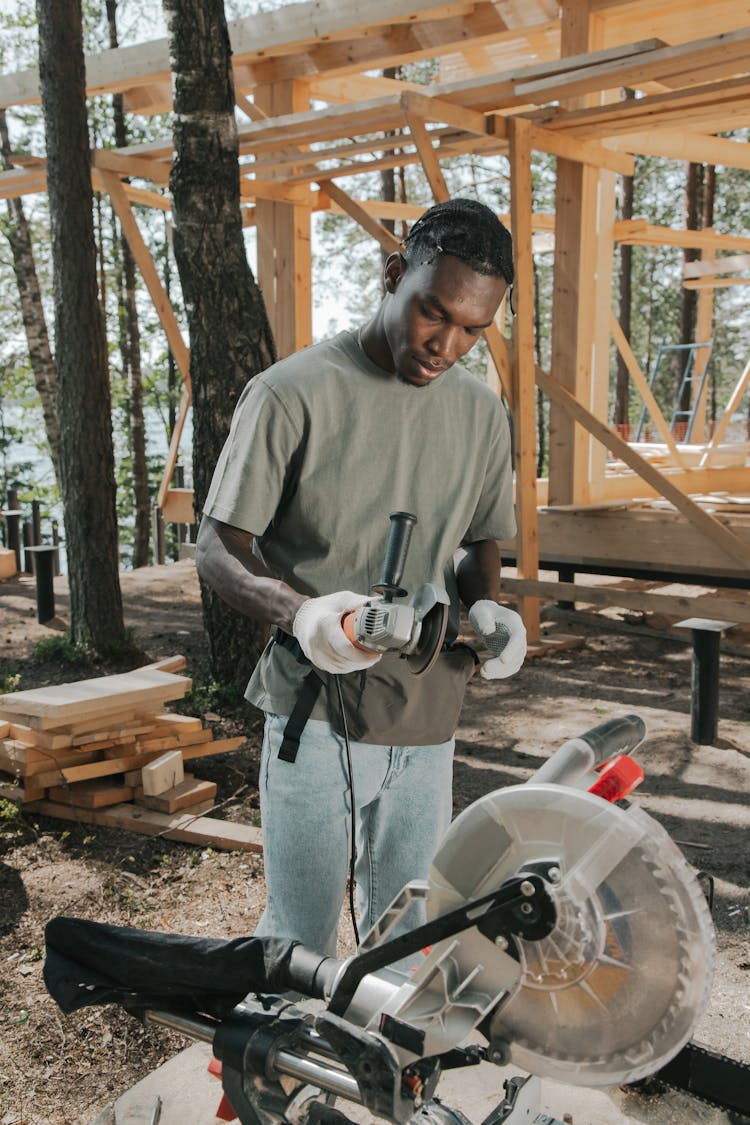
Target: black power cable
353,847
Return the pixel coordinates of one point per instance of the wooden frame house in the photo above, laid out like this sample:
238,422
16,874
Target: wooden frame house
514,78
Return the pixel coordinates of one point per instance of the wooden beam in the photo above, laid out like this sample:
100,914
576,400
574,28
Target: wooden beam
712,282
355,211
672,605
441,112
174,448
145,264
713,266
707,524
183,826
524,390
625,350
638,232
700,148
585,152
125,164
428,157
719,56
734,401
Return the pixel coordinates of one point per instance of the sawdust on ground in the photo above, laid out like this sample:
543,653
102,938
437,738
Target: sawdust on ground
57,1070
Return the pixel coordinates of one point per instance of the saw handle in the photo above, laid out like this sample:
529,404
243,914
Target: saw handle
396,551
576,757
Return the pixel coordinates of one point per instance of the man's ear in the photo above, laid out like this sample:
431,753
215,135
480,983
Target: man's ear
395,267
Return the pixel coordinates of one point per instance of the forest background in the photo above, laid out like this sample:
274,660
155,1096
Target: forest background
653,306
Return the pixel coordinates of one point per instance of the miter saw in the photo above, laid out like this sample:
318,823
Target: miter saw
564,930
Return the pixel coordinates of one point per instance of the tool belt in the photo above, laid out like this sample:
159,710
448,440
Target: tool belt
385,704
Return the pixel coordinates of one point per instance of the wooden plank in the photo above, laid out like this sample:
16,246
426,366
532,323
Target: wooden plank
625,350
717,531
713,282
91,794
434,109
387,240
149,273
524,389
23,761
132,761
178,506
641,601
732,264
52,706
722,55
637,232
165,772
174,446
732,406
683,145
427,155
191,791
125,164
224,835
20,794
582,151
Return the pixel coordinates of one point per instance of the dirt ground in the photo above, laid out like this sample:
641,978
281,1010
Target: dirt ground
57,1070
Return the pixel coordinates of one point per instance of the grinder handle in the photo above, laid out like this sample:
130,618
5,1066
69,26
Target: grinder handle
399,538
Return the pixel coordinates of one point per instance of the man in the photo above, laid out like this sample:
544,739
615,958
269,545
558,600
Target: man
323,447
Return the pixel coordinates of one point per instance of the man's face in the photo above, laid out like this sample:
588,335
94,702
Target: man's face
434,314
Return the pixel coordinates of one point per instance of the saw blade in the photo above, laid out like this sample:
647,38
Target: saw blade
432,634
615,990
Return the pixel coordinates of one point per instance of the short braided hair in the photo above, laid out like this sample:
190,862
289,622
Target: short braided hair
466,229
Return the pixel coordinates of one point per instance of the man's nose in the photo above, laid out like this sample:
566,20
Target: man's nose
444,341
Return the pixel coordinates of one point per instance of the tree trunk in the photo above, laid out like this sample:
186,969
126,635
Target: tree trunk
83,398
625,285
230,338
709,197
131,355
32,309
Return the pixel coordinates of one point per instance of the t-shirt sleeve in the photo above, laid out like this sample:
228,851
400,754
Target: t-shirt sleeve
494,515
256,463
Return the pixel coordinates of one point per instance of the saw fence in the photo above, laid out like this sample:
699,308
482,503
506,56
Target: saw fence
105,751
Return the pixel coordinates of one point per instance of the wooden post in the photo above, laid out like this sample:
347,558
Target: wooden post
584,232
284,257
703,332
522,373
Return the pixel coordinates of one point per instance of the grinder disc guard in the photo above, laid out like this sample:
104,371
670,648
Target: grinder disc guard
615,990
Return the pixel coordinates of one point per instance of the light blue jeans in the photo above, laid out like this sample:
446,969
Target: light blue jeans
402,810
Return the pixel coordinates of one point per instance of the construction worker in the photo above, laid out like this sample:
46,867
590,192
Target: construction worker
323,447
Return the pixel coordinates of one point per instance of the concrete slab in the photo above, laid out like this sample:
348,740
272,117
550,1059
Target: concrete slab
190,1096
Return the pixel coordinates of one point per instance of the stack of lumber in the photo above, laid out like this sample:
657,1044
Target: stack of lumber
106,751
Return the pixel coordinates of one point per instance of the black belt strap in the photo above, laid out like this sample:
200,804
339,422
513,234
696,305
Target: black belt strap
302,710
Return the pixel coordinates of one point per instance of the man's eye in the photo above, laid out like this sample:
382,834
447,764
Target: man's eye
431,314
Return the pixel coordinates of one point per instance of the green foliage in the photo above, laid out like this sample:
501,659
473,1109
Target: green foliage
211,695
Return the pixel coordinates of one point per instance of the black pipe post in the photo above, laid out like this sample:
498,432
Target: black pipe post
44,556
36,522
13,533
28,543
56,545
704,677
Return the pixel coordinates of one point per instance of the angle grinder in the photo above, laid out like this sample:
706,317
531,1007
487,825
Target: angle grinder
414,629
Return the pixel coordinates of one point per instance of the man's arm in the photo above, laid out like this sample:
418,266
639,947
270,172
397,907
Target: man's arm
225,561
478,572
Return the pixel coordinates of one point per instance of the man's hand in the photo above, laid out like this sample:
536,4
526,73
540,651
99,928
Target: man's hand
317,627
504,634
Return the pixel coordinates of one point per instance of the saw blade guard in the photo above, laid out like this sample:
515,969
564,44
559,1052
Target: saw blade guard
615,990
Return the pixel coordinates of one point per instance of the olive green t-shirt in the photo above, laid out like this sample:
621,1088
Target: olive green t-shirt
324,446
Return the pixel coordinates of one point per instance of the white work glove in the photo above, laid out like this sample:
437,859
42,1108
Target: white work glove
321,637
504,634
